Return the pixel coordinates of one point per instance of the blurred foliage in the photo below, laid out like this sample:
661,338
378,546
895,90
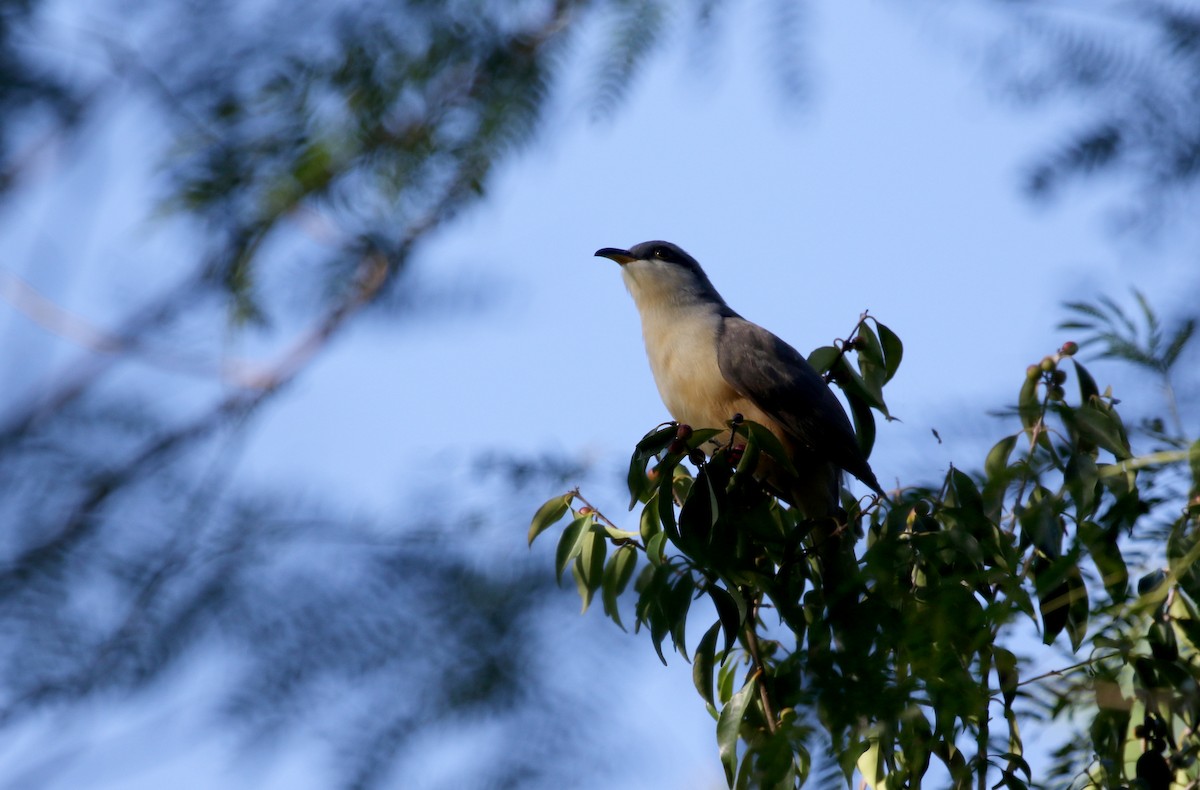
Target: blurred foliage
310,149
924,657
339,628
1135,70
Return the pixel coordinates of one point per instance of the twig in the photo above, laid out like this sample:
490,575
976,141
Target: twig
1066,670
759,668
600,516
981,740
829,374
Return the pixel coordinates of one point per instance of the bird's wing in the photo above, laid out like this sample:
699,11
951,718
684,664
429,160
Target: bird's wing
780,381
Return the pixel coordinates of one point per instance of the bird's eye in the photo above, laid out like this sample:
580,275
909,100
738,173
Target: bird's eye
660,253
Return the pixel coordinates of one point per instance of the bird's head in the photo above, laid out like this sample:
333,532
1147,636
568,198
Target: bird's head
659,271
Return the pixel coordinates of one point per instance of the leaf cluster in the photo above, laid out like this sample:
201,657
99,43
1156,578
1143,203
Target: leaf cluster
916,657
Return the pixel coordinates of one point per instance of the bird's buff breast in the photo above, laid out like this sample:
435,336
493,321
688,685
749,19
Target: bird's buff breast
682,350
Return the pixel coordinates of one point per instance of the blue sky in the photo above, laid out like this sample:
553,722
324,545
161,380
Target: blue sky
893,187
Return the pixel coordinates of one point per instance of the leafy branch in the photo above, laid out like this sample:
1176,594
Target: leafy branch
897,667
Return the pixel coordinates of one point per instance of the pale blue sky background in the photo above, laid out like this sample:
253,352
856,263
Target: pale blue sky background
894,187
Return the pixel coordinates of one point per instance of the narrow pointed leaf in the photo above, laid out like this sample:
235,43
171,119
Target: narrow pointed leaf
769,443
569,544
1087,384
731,611
996,465
548,514
822,358
617,574
893,350
590,563
729,726
703,663
1008,674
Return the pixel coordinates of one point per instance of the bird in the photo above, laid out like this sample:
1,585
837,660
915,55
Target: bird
710,363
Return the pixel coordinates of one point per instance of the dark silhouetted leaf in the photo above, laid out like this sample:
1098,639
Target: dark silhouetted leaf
703,663
893,350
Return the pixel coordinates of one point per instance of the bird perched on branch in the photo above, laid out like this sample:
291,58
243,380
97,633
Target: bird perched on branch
710,363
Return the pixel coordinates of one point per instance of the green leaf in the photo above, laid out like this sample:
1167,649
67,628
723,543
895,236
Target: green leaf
996,465
726,675
1029,408
1081,478
822,358
648,525
1008,674
701,436
864,424
999,475
666,499
1087,384
893,350
747,465
1040,523
1077,607
870,360
729,726
581,585
1194,464
636,481
569,544
963,492
1161,638
769,443
617,534
654,548
1102,427
549,513
617,574
590,564
651,444
703,663
731,609
699,512
676,606
1105,552
652,587
772,763
1053,599
655,441
1189,624
1182,550
853,384
870,764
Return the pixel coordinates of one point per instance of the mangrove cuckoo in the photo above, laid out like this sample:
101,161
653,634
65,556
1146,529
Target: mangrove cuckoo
710,363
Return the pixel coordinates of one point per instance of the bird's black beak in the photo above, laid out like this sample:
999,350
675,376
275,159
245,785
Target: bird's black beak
612,253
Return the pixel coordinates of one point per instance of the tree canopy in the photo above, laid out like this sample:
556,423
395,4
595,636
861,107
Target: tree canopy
302,155
926,654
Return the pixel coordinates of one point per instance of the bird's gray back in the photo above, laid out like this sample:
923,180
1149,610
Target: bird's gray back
779,380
